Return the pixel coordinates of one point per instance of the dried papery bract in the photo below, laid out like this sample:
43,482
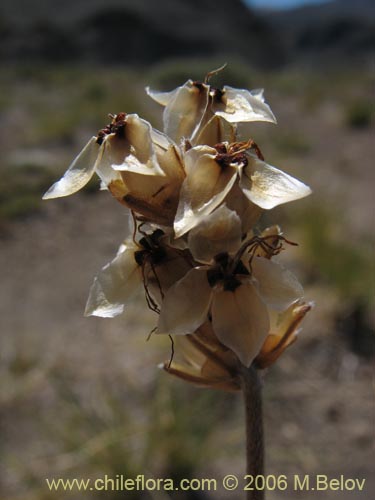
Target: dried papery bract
196,193
149,263
189,108
212,172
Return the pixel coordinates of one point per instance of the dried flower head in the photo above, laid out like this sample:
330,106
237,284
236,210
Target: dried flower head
195,193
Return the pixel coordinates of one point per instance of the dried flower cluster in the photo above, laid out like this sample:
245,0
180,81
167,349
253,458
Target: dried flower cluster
195,193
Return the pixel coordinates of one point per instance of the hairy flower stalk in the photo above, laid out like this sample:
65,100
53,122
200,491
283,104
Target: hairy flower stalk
195,194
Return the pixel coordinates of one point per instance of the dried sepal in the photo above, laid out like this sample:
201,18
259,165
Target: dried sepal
215,131
212,174
283,333
78,174
153,197
205,187
218,232
204,361
190,107
184,109
123,145
116,284
150,264
267,186
237,299
239,105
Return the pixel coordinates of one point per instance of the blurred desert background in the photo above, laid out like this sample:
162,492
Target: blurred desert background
83,397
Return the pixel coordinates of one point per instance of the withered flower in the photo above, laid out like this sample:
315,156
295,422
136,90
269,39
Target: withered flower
150,264
154,197
283,332
125,143
190,107
202,360
195,194
211,173
234,293
199,192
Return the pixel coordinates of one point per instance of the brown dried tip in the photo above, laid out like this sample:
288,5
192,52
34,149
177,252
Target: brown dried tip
116,126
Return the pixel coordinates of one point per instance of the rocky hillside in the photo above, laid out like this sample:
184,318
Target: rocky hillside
140,32
136,31
334,32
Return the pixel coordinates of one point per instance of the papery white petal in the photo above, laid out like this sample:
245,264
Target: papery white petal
161,140
215,131
153,196
239,105
115,284
258,94
214,370
240,321
132,164
205,187
161,276
78,174
248,212
186,304
189,353
193,155
278,287
162,98
110,150
282,321
169,156
218,232
171,163
185,110
267,186
138,153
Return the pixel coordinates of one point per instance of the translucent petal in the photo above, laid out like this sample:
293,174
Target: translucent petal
115,284
186,304
110,151
161,276
239,105
78,174
267,186
282,321
240,321
138,153
283,332
205,187
189,353
162,98
185,110
190,374
160,140
258,94
218,232
215,131
153,196
278,287
171,163
248,212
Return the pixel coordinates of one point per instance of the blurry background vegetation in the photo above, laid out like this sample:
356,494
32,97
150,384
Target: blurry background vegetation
83,397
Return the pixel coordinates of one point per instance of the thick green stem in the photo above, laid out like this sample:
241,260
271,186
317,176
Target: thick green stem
252,391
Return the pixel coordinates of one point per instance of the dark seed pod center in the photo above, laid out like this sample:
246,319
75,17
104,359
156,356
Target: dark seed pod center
117,126
152,250
222,272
